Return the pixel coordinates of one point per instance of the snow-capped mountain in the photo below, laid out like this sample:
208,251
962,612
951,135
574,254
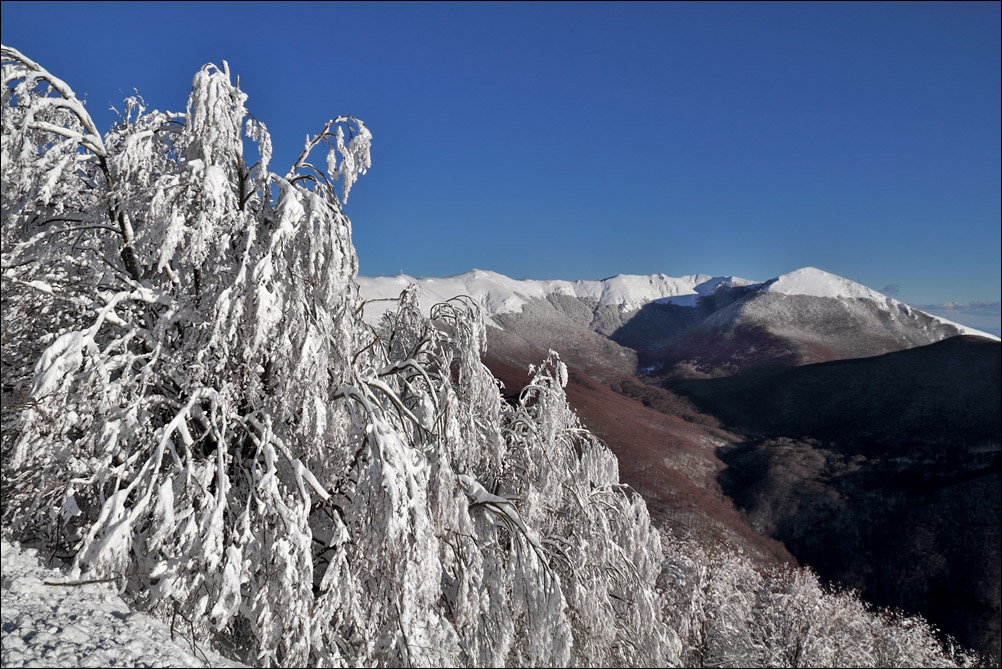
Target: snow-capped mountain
695,325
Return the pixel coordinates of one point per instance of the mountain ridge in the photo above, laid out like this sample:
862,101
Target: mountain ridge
498,294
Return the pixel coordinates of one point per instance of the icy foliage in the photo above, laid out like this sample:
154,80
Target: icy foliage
179,418
729,614
196,408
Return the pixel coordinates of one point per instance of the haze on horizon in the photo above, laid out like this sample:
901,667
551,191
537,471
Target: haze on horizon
580,141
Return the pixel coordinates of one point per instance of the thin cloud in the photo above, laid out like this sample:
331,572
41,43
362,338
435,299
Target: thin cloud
985,316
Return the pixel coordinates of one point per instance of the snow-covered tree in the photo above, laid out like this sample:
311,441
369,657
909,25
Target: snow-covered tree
204,414
730,614
177,419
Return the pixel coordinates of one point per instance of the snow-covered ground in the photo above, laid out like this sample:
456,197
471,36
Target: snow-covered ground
81,625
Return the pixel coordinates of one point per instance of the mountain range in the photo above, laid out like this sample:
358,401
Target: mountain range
695,325
805,419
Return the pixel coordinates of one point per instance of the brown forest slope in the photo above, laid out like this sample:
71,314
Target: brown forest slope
670,460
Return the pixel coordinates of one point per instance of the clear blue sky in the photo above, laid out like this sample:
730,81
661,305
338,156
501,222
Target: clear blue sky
586,140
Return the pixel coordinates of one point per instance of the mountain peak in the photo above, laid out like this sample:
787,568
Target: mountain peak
815,282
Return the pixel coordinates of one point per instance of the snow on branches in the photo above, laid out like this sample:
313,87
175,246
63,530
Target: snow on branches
209,420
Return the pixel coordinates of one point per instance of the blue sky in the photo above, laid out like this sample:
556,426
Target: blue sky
579,141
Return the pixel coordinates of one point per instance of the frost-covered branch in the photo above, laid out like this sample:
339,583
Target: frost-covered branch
17,66
354,155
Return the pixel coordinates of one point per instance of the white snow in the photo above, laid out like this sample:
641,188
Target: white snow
81,625
818,283
498,294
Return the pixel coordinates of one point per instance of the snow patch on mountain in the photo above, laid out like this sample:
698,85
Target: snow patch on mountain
705,287
499,294
814,282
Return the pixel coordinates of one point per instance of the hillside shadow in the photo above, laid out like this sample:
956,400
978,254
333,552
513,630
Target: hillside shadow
883,474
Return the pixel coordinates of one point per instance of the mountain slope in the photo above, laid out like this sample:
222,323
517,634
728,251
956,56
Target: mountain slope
799,318
944,392
883,473
666,452
666,449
